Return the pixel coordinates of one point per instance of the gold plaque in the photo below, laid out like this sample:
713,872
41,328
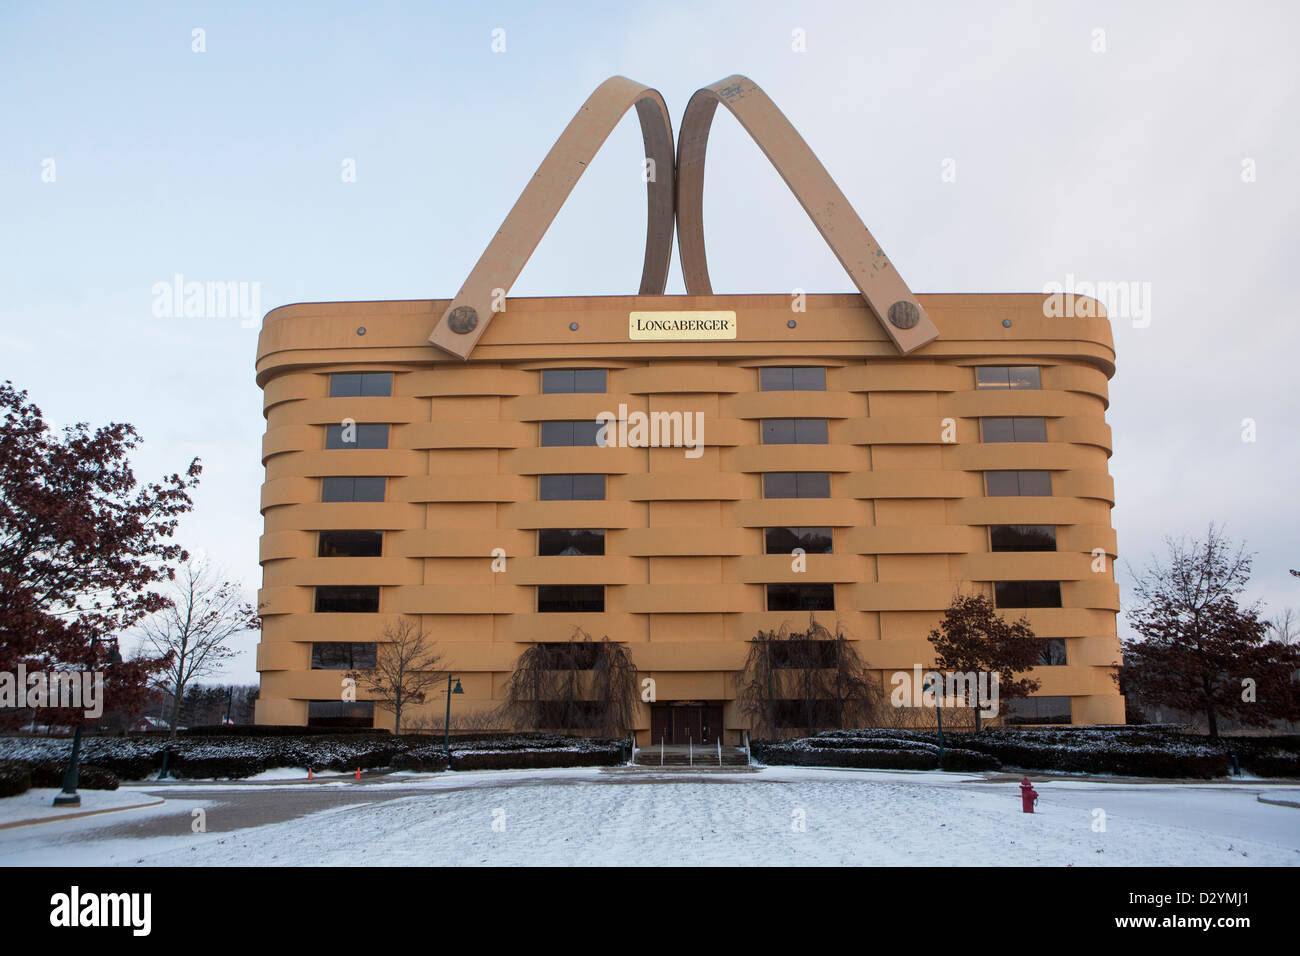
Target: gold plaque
651,326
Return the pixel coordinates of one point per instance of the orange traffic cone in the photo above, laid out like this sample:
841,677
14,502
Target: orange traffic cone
309,773
358,773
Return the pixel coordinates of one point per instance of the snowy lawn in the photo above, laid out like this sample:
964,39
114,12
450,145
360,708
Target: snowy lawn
38,804
587,816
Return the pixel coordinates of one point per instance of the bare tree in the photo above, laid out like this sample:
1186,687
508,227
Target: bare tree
193,631
1285,626
407,665
809,679
576,685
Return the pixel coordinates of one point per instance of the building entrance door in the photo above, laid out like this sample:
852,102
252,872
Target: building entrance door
685,723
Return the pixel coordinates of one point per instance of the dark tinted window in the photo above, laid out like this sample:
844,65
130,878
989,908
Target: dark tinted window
803,654
581,432
1022,537
1011,483
349,488
559,380
1013,429
796,484
794,431
1051,652
556,541
785,540
335,599
363,436
786,379
802,714
343,656
801,597
340,713
568,655
353,384
577,598
1038,710
350,544
1027,593
571,487
1004,376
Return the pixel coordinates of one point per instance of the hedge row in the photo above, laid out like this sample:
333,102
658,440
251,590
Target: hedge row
231,757
15,778
873,758
1126,751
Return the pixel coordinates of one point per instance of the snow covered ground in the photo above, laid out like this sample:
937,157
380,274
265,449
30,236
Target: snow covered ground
778,816
38,804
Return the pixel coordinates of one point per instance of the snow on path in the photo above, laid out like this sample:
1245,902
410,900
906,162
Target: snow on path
851,819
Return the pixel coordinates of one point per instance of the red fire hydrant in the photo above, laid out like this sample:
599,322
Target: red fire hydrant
1028,796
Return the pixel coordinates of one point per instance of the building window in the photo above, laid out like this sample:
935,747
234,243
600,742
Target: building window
1022,537
803,654
1004,484
350,488
1008,376
556,381
796,484
356,384
794,431
1013,429
571,487
1038,710
581,432
1051,652
349,600
798,714
343,656
801,597
1027,593
787,379
363,436
575,598
785,540
350,544
569,655
340,713
556,541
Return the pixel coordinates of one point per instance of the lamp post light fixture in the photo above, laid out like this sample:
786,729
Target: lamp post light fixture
68,796
938,715
446,726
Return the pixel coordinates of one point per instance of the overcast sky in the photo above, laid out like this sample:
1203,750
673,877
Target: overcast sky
1158,146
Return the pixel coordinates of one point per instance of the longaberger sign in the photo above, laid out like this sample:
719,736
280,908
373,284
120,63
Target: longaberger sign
647,326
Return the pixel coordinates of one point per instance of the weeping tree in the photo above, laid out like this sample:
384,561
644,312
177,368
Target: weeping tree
811,679
578,685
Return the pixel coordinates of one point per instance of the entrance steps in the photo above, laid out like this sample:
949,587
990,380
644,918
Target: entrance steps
679,755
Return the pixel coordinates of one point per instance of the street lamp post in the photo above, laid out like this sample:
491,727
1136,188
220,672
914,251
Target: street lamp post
446,726
938,715
68,796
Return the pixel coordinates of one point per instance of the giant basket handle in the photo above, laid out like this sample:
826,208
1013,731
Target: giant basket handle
886,293
470,312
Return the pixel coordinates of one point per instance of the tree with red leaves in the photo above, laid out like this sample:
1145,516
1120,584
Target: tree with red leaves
973,638
81,542
1200,651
